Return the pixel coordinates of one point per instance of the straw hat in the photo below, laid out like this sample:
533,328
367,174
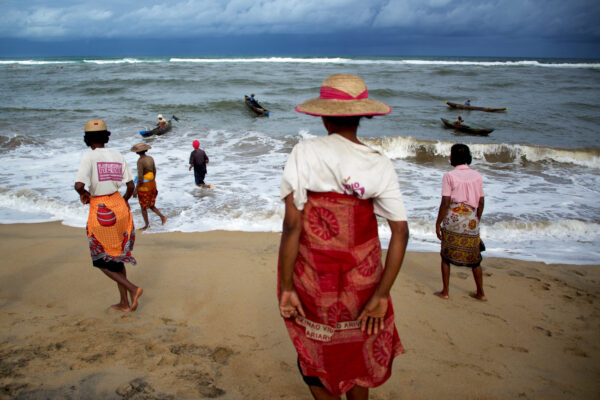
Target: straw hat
140,147
160,116
95,125
343,95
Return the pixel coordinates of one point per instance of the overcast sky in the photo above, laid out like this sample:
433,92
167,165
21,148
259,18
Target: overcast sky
536,28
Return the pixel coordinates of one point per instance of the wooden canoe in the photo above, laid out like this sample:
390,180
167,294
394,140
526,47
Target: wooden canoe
466,129
257,108
160,131
474,108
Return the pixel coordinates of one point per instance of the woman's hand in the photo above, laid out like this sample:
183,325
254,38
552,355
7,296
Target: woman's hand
289,304
373,314
85,197
438,231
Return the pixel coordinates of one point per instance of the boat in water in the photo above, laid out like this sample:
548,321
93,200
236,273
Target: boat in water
158,130
466,128
474,108
256,107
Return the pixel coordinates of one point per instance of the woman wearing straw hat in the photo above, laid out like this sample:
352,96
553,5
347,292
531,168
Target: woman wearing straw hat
334,293
145,189
110,229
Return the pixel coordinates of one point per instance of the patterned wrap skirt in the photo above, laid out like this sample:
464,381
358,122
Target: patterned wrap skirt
460,236
337,269
147,191
110,229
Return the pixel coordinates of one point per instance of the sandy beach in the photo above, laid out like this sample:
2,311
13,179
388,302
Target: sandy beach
208,324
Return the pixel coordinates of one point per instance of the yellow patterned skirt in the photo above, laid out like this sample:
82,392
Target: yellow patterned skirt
460,236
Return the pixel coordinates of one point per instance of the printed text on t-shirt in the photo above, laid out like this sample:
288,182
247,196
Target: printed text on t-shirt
109,171
353,188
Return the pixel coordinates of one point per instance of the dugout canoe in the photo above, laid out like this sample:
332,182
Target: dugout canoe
467,129
474,108
160,131
257,108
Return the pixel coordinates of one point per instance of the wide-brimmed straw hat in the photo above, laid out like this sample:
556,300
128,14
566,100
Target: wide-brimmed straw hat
343,95
95,125
140,147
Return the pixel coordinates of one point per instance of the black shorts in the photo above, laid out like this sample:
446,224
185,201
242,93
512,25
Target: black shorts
112,266
310,380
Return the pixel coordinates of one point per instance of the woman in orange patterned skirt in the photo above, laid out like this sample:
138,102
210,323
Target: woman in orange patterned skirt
457,224
145,189
334,293
110,229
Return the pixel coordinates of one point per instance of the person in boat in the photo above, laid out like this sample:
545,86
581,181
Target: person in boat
333,291
468,102
198,161
459,215
459,121
110,230
145,189
162,124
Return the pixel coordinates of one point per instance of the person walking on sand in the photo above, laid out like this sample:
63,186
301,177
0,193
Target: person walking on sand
198,161
457,224
146,190
110,229
333,291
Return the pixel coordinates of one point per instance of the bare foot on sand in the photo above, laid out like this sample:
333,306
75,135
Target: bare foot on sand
478,296
164,219
135,297
121,307
441,295
144,228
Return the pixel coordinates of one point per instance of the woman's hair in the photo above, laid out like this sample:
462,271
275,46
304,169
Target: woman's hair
346,121
141,153
96,137
460,154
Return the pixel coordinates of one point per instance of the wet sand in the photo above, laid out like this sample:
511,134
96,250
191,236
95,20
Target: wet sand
208,325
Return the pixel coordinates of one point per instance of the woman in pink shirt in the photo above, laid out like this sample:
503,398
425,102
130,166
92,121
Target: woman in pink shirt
457,224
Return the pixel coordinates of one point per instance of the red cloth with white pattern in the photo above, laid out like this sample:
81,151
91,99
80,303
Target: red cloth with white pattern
336,272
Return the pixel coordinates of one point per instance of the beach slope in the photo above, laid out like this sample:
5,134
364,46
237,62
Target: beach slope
208,324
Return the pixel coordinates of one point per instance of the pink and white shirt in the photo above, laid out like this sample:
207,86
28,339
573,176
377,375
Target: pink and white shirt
103,171
463,185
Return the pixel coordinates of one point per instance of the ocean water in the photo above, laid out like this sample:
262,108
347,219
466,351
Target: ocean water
541,165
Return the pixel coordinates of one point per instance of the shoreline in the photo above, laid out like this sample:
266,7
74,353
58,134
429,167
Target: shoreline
208,323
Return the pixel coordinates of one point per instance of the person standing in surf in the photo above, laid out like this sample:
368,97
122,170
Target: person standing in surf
333,291
110,230
198,161
145,189
459,215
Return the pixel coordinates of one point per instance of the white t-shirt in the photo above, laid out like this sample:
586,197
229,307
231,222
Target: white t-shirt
103,171
335,164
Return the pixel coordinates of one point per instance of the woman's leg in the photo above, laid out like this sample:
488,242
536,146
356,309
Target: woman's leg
320,393
157,212
145,215
478,276
445,280
358,393
121,279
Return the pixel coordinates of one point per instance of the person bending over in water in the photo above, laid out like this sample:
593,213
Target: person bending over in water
110,229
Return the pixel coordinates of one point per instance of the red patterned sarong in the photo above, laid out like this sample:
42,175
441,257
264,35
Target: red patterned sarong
147,193
337,270
110,229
